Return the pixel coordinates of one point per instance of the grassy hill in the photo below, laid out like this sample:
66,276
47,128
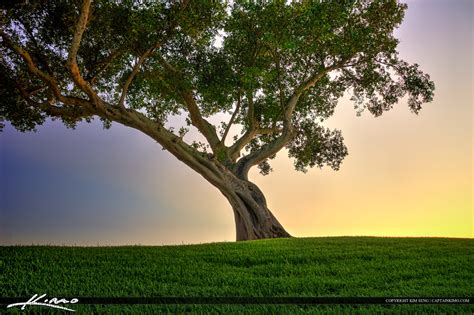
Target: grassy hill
339,266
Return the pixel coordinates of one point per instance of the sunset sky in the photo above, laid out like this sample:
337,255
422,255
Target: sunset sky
406,175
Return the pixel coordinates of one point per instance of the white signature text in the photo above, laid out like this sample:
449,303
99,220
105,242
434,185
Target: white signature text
40,300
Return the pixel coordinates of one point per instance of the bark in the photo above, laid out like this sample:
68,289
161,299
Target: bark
253,219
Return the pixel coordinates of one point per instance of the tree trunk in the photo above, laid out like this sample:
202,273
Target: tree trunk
253,219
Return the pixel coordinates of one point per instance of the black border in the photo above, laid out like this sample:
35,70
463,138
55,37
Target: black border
252,300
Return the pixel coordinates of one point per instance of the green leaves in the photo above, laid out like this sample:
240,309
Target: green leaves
314,145
417,84
267,52
14,108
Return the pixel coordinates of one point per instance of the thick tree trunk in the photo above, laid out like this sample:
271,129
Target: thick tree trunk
253,219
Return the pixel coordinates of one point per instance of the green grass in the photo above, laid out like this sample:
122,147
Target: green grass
339,266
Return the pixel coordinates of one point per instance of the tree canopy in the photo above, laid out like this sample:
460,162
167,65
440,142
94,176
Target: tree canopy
277,68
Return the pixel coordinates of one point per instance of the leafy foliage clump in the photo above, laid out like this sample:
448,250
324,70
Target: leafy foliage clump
278,68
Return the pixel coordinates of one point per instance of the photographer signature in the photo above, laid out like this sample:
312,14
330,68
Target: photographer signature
41,301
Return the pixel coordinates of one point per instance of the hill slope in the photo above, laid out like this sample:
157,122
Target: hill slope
340,266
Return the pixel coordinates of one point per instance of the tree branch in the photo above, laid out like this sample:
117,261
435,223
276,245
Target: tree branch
71,111
198,161
39,56
76,107
35,89
231,121
103,65
245,163
134,72
267,131
234,150
72,56
146,54
280,87
207,129
32,68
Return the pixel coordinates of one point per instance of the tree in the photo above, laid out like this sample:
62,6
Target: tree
277,68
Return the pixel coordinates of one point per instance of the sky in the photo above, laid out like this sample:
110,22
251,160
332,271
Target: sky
405,175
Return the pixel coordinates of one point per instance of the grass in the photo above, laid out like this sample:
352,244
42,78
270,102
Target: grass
339,266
